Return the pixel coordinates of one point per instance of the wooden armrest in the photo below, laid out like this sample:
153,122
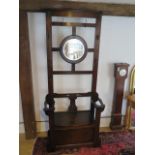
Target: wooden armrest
99,107
46,108
49,104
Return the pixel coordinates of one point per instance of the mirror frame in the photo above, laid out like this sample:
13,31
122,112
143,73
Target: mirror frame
69,38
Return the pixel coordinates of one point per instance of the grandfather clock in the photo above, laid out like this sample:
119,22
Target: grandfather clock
120,74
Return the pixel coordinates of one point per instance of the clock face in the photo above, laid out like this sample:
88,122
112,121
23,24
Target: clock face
122,72
73,49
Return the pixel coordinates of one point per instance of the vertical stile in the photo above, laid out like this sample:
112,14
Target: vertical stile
73,67
51,142
94,80
73,33
96,52
74,30
49,53
96,55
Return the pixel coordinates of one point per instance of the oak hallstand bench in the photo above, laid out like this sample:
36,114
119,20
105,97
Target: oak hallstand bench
73,128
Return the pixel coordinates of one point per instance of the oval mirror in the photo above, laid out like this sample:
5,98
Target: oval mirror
73,49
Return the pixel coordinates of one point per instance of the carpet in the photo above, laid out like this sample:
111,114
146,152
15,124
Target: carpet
112,143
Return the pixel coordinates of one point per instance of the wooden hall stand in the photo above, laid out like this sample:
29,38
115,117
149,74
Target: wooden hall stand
73,128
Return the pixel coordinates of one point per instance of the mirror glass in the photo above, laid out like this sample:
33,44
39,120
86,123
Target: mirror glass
73,49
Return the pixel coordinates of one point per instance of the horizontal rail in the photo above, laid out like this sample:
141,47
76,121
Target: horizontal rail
74,13
72,94
73,24
72,72
90,125
104,8
57,49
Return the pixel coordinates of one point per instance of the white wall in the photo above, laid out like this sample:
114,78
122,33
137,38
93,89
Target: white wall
117,45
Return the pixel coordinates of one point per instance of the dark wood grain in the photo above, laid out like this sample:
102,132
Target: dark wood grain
25,77
56,95
72,119
116,120
104,8
73,13
72,72
51,142
73,67
49,54
72,106
57,49
81,135
95,58
73,30
73,127
97,141
74,24
96,52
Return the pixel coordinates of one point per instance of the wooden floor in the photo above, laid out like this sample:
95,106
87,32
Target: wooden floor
26,146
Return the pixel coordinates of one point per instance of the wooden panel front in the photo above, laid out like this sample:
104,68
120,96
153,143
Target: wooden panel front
74,136
72,119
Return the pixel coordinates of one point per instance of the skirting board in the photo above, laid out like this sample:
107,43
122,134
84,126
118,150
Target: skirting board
43,126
